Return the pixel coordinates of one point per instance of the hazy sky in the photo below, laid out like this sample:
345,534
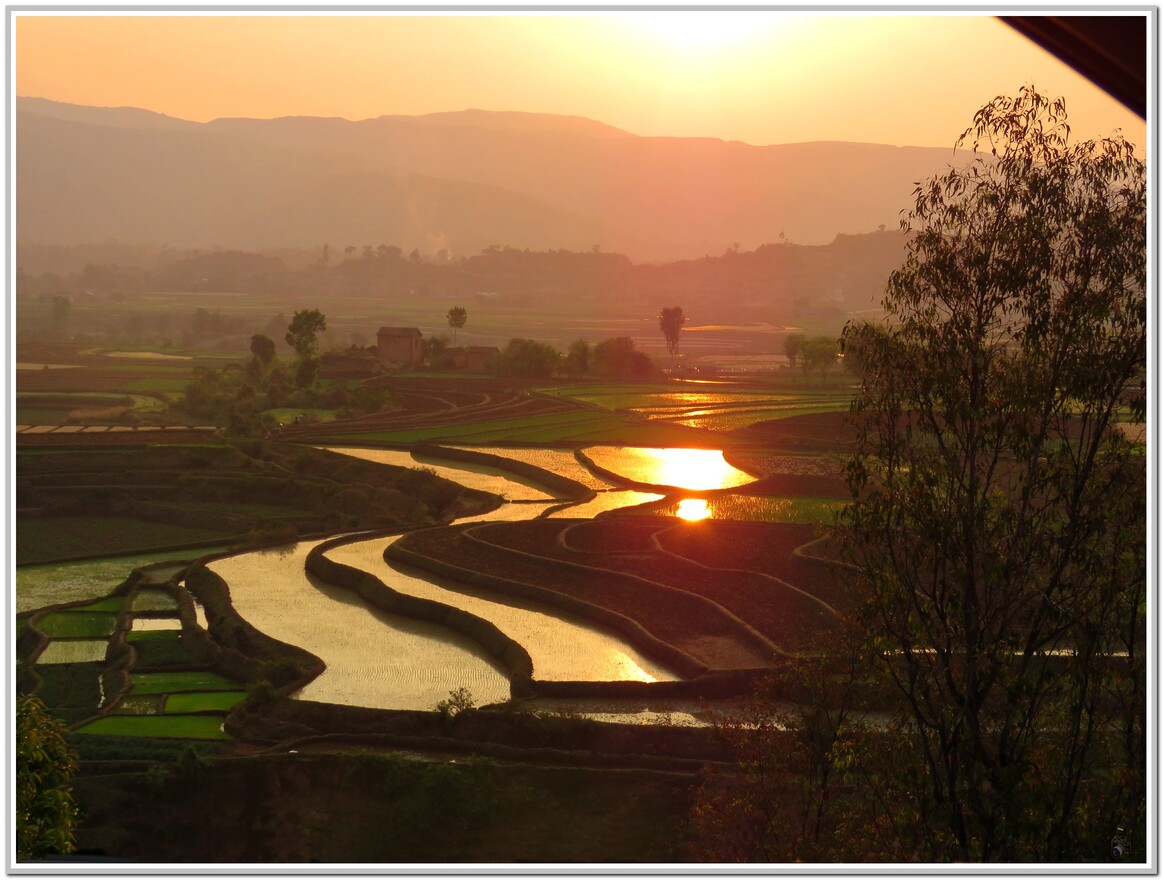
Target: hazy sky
757,77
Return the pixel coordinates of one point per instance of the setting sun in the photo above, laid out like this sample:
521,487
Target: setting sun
701,30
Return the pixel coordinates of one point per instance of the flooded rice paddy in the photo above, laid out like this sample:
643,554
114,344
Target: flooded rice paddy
485,479
386,661
606,501
373,659
74,651
155,624
695,469
560,461
562,647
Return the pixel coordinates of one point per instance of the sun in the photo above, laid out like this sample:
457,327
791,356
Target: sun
697,30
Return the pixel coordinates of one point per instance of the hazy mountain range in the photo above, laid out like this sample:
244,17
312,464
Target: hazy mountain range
458,181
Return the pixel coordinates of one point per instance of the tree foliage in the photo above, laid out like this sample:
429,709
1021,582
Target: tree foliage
302,333
671,322
577,359
528,359
457,316
46,814
617,358
818,353
793,344
263,349
998,520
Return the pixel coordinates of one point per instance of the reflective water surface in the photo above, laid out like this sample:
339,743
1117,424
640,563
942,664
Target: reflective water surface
562,647
485,479
696,469
373,659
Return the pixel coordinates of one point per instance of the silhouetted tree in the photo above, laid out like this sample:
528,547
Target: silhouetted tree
528,359
999,524
303,330
263,349
793,345
577,359
457,316
617,358
670,322
819,353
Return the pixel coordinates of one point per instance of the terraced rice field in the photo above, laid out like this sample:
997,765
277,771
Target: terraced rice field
373,659
559,461
38,586
695,469
484,478
74,651
562,647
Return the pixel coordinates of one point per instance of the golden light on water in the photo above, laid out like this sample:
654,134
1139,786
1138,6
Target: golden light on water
692,469
693,509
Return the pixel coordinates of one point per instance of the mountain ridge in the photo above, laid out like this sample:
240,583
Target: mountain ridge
526,180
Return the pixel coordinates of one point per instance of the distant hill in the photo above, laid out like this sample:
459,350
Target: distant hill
459,181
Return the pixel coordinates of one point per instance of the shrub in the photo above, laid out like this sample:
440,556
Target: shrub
458,701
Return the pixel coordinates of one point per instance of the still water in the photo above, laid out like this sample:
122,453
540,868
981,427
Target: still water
694,469
373,659
485,479
562,647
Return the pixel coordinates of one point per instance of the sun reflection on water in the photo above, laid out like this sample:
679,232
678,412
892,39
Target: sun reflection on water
695,469
693,509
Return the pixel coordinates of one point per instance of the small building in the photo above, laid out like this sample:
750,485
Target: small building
399,345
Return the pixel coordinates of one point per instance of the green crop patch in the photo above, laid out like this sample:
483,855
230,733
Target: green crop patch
110,605
160,649
71,690
38,586
77,625
582,426
183,726
162,384
40,539
176,682
219,701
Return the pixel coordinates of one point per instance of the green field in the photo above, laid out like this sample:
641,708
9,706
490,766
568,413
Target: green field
159,649
111,604
77,625
187,704
184,726
38,586
175,682
555,428
40,539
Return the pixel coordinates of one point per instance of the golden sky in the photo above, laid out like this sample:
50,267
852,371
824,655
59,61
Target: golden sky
757,77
